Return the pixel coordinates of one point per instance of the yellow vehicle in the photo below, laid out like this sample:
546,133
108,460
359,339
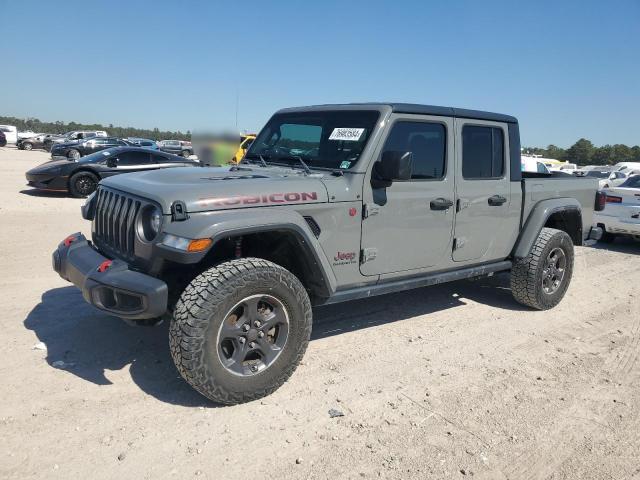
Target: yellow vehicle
245,143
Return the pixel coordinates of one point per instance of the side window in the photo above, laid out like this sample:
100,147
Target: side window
159,159
482,152
427,142
134,158
541,168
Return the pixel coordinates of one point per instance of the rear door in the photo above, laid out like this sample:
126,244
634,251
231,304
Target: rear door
483,190
409,224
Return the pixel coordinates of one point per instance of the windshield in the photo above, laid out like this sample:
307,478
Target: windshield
597,174
326,139
632,182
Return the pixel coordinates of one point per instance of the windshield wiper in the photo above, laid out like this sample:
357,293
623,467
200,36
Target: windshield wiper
259,157
306,168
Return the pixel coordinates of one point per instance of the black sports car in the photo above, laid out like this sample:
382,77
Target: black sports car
79,148
80,178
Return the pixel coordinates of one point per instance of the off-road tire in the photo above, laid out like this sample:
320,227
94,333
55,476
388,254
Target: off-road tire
202,308
526,273
76,190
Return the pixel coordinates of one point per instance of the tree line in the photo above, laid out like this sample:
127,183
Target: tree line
583,152
38,126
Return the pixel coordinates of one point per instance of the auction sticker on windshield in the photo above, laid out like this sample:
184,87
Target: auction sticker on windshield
348,134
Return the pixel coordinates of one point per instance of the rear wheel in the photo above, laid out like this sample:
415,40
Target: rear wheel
240,329
73,154
27,146
541,279
82,184
186,153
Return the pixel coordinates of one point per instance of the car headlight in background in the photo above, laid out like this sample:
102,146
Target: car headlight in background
149,223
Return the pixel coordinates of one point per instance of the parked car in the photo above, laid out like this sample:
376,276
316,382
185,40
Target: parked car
143,142
621,215
73,150
10,133
26,134
75,135
177,147
533,165
389,197
3,139
81,178
35,142
606,179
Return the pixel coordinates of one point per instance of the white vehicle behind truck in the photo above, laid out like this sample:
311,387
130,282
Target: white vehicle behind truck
621,215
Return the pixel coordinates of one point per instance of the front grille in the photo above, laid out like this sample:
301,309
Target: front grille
115,222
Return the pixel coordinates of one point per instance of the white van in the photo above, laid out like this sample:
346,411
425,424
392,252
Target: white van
10,132
624,167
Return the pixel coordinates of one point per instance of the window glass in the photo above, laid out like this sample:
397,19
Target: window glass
426,141
541,167
482,152
134,158
324,139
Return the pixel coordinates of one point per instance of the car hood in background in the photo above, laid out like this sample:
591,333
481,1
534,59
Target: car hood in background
216,188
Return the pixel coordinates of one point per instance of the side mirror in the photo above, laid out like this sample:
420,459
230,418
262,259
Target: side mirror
112,162
393,165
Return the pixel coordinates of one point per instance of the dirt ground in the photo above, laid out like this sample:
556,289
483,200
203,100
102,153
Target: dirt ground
450,381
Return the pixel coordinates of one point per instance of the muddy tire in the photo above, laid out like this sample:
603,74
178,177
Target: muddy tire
240,329
541,279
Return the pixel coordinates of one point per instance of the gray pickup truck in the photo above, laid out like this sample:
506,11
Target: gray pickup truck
331,203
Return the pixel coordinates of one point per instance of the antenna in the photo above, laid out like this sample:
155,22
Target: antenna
237,103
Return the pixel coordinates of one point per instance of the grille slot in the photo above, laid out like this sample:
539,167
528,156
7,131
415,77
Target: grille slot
114,222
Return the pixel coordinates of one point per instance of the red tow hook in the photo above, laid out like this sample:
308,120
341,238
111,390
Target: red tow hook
69,240
104,265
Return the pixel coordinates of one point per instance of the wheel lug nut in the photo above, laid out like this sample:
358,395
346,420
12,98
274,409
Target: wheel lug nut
257,323
245,327
252,344
260,334
241,340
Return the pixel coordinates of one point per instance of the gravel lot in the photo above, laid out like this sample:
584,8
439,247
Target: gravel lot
445,382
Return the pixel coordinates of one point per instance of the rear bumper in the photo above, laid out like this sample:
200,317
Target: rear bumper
625,223
116,290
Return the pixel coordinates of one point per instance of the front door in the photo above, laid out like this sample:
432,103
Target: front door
483,190
408,225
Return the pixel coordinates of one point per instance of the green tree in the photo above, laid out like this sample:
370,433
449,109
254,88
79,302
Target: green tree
580,152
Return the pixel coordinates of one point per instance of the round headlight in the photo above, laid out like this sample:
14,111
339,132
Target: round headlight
150,223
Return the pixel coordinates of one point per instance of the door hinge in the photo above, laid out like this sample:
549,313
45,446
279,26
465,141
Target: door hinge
368,254
369,210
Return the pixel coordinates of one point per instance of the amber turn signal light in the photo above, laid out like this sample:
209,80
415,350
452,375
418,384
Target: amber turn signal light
199,244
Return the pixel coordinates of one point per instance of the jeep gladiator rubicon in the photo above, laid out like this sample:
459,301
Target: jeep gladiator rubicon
331,203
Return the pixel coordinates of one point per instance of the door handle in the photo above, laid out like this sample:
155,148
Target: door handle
441,204
496,200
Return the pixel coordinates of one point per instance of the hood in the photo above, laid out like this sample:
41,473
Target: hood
49,166
220,188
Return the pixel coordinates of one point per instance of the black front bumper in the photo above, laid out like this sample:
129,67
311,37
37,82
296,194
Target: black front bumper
117,290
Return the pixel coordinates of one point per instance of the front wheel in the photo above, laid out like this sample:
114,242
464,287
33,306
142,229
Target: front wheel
240,329
186,153
27,146
541,279
82,184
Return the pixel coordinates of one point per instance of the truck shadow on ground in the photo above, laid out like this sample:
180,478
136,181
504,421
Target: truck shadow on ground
620,245
90,342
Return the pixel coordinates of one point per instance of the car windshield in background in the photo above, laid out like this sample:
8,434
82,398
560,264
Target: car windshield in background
597,174
632,182
323,139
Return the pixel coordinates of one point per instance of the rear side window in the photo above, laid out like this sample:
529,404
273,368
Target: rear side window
426,141
134,158
482,152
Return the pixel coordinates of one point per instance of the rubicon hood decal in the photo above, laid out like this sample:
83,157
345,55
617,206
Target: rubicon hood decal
273,198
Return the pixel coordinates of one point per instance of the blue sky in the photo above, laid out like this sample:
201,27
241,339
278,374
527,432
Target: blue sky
566,69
